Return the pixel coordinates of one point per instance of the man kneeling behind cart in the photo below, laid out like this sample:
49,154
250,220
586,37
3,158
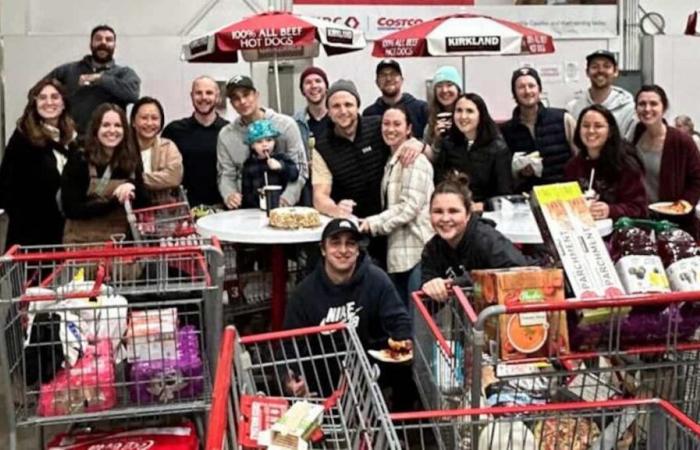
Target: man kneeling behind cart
347,287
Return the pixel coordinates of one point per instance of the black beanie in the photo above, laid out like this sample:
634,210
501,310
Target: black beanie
343,85
523,71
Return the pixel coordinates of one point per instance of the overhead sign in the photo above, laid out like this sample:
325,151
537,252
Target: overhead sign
561,21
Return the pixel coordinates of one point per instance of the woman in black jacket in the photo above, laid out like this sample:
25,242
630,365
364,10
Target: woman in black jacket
475,147
463,242
30,175
97,181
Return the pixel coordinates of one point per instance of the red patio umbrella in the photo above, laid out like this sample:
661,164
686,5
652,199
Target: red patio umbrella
273,35
463,35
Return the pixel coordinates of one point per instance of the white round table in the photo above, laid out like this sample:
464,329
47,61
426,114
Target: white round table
251,226
521,227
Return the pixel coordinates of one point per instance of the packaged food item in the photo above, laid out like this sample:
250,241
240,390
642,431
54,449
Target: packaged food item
168,380
528,334
681,257
258,413
565,432
88,386
182,437
150,335
570,232
297,426
639,267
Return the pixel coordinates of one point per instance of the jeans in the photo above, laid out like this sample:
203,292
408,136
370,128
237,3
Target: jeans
406,283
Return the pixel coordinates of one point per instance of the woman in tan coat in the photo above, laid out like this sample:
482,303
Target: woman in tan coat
162,161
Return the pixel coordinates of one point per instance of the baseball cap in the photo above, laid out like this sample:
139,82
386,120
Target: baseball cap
521,72
601,54
239,81
388,63
337,226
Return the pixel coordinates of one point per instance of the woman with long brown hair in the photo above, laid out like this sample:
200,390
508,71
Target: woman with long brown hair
30,175
97,181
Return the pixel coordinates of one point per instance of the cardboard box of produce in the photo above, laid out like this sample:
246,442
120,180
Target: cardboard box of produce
536,334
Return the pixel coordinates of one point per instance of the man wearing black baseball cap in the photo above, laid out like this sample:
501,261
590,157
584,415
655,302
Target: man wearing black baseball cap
535,128
389,80
346,287
602,70
232,151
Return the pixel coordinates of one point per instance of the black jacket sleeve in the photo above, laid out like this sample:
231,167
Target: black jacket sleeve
290,169
429,262
393,314
502,168
75,182
500,252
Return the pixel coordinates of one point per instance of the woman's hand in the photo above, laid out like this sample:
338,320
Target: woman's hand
295,385
364,226
600,210
124,192
437,289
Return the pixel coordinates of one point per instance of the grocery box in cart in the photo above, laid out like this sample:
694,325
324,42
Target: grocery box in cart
182,437
525,334
570,232
151,335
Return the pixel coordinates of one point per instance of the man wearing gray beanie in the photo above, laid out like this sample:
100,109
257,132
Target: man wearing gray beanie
348,161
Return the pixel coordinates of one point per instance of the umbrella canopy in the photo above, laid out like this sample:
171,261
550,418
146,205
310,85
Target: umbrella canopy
463,35
278,34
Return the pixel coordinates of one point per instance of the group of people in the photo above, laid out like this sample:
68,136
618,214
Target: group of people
409,175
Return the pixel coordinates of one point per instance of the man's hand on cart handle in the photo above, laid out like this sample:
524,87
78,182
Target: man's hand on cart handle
438,289
295,385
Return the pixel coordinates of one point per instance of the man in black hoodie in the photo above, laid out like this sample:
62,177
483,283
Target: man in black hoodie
346,287
390,81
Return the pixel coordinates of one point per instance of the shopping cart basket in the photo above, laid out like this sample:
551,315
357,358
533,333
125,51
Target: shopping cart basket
331,361
605,360
442,350
611,425
168,220
613,358
107,331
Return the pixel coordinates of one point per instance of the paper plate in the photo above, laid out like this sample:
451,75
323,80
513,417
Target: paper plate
385,356
680,208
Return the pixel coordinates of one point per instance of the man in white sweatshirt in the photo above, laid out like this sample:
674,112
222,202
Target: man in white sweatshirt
602,70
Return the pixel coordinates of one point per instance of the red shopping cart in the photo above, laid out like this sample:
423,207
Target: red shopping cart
605,360
255,374
611,425
172,219
101,332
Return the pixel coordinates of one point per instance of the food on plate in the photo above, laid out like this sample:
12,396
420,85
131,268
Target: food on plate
398,351
292,218
534,155
677,208
565,432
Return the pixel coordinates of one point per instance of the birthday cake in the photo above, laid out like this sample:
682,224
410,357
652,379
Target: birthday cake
292,218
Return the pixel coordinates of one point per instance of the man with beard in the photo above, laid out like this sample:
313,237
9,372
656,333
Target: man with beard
537,128
312,120
196,137
601,68
390,81
232,151
96,79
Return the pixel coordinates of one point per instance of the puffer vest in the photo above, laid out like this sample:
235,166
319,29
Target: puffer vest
550,141
358,166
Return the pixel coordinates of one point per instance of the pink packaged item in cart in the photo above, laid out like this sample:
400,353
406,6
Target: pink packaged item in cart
88,386
151,335
162,438
167,380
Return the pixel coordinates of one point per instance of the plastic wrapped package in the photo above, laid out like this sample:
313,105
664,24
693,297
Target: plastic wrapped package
161,438
167,380
88,386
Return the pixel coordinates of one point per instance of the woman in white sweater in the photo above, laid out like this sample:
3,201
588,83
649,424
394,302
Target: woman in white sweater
406,195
